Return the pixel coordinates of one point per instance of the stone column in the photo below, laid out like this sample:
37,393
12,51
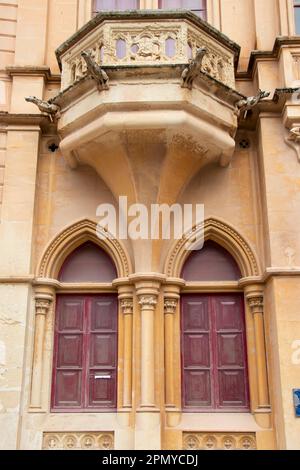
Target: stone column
170,306
147,304
126,303
148,428
43,303
255,299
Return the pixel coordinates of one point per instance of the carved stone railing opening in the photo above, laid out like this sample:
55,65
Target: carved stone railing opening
147,39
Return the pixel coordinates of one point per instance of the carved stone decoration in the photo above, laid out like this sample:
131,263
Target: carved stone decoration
127,306
147,43
256,304
95,71
246,104
148,302
42,306
170,305
46,107
193,70
219,441
78,441
293,140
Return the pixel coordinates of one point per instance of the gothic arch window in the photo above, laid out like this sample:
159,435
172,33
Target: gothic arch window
86,336
213,336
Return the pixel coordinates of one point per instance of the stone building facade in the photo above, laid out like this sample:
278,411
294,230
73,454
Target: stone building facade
161,348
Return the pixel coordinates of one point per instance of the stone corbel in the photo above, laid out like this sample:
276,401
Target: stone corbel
43,302
293,139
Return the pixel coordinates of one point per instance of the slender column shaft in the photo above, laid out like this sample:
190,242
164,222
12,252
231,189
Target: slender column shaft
170,305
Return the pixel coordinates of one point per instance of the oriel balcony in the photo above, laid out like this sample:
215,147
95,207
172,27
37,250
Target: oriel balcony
145,122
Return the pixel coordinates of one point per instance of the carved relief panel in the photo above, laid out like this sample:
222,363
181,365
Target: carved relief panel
219,441
78,441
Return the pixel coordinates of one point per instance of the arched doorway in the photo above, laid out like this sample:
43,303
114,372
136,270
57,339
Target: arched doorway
86,336
213,336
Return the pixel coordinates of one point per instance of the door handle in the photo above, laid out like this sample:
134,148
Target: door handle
102,377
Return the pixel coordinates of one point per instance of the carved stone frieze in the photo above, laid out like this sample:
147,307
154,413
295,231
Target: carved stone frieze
219,441
78,441
147,43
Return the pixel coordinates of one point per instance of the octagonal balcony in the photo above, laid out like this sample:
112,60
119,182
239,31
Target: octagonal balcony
146,126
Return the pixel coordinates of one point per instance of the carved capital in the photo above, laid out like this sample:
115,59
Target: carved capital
147,302
127,306
170,305
256,304
42,305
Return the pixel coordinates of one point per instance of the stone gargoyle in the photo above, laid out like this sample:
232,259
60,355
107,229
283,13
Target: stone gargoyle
95,71
46,107
246,104
192,71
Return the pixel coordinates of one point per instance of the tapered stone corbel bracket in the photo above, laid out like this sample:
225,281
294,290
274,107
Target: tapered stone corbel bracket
293,139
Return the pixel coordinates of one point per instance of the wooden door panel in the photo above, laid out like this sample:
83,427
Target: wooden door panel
196,350
68,389
232,388
69,351
197,388
228,314
102,391
195,314
231,350
103,350
70,314
102,314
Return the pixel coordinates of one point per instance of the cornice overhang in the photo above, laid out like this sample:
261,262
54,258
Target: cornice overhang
274,54
149,15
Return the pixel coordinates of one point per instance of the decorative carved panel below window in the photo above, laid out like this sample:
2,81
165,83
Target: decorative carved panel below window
219,441
78,441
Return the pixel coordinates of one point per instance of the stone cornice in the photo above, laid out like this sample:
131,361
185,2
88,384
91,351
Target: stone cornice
22,119
280,42
33,71
155,15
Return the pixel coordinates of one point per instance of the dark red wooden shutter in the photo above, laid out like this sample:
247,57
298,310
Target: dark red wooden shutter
102,353
229,331
85,353
213,353
69,357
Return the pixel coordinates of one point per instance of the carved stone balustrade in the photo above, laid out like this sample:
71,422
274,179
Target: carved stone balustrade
147,38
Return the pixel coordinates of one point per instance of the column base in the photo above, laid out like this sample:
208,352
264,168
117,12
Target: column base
263,417
148,429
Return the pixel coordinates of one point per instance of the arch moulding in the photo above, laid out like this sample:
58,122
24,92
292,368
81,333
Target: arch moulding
221,233
71,238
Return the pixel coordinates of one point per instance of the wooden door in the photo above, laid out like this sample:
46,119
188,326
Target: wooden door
85,353
213,345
